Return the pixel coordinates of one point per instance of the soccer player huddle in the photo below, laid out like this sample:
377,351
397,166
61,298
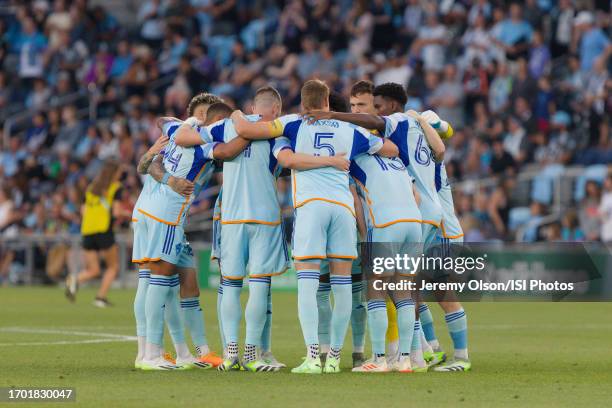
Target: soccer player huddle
372,175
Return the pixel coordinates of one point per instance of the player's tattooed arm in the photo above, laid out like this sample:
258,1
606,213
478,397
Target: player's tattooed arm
388,149
299,161
255,130
182,186
433,138
360,119
361,224
147,158
231,149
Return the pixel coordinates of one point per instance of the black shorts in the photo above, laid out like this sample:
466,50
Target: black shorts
98,242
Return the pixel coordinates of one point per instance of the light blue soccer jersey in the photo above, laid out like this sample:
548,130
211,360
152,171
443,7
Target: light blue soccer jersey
192,163
416,155
325,138
144,195
386,188
451,227
249,180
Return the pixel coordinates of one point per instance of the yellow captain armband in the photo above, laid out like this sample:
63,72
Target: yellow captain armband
276,128
448,133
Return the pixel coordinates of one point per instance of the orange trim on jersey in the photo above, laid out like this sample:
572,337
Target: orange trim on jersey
145,260
397,222
327,201
341,256
302,258
435,224
157,219
449,236
298,205
369,201
134,219
217,218
265,275
178,219
233,277
251,222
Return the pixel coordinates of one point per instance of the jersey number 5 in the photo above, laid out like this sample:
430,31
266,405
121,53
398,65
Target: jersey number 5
319,143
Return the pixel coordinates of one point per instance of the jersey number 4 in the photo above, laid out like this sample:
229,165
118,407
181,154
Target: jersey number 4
319,143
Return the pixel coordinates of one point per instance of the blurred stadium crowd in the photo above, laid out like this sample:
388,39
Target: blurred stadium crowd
526,86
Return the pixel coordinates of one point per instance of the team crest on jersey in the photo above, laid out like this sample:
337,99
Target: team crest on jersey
178,248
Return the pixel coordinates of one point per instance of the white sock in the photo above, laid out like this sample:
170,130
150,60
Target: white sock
461,354
202,350
142,341
393,349
434,344
416,358
425,346
182,351
152,351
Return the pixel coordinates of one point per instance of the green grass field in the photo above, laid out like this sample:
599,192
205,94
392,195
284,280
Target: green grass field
523,354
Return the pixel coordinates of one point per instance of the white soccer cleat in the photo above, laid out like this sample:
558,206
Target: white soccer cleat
373,365
269,358
159,364
402,365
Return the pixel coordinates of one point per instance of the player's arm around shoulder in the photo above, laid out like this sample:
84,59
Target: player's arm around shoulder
187,136
255,130
288,159
388,149
433,138
364,120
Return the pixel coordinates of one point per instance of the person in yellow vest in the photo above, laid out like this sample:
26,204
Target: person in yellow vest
97,231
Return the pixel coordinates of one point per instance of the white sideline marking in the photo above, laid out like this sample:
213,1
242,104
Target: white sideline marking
101,337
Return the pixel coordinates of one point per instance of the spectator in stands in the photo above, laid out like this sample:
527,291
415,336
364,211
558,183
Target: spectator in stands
501,161
570,229
588,211
605,211
593,41
499,206
514,34
7,208
431,43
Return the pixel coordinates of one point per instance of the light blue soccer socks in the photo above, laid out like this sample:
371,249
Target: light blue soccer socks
416,353
139,310
231,311
358,317
139,302
325,311
405,324
256,309
341,313
377,325
308,283
266,337
427,326
194,322
457,327
158,295
175,323
219,316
